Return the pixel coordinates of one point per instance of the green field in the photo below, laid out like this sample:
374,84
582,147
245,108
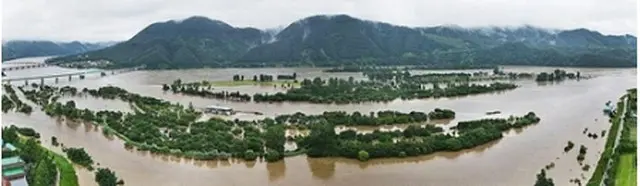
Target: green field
232,83
68,175
627,172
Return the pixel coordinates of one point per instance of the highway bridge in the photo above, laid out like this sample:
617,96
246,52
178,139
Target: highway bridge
80,75
22,65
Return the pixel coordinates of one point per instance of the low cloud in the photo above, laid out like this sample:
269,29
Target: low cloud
117,20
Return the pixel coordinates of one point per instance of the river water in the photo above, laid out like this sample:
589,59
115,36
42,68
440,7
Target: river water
565,108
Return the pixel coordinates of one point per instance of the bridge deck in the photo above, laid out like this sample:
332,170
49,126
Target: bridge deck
52,76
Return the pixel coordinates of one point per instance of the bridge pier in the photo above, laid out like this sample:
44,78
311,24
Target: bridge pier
41,82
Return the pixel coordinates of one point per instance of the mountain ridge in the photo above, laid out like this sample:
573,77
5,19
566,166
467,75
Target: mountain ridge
13,49
330,40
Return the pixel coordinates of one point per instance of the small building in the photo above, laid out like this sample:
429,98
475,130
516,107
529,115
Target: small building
13,172
219,110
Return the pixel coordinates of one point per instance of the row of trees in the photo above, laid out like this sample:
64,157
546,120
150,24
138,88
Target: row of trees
79,156
343,91
557,75
442,114
198,89
354,119
14,102
322,141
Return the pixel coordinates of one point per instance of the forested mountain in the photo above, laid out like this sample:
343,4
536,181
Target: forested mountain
341,40
21,48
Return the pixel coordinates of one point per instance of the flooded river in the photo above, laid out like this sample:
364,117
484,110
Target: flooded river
565,108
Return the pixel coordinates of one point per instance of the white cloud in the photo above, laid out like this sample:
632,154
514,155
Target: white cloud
105,20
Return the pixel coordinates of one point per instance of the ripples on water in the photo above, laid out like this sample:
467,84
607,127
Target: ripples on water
565,109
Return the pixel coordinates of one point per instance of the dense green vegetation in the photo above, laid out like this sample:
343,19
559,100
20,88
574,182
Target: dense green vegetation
203,89
542,179
569,146
354,119
413,141
442,114
106,177
343,91
13,101
79,156
582,153
557,75
41,165
162,127
624,168
346,41
68,175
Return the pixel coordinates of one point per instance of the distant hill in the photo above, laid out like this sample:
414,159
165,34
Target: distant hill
343,40
21,48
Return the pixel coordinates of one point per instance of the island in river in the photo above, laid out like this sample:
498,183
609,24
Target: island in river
518,156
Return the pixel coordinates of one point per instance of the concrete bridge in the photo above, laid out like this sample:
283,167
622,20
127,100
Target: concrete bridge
22,65
81,75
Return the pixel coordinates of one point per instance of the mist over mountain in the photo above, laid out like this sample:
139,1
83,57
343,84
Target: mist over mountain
331,40
25,48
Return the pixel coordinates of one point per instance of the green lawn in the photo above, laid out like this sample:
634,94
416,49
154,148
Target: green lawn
626,173
68,175
232,83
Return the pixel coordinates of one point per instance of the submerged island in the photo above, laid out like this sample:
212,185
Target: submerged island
162,127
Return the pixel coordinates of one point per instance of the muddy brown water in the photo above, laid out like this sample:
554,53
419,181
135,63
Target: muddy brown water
565,109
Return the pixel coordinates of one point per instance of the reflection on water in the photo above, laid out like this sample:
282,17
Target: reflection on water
565,109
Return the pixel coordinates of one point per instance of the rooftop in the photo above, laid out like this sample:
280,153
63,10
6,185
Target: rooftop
10,147
19,182
11,160
13,172
218,107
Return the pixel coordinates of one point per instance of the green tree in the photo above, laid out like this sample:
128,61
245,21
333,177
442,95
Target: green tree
249,155
542,179
272,155
106,177
363,155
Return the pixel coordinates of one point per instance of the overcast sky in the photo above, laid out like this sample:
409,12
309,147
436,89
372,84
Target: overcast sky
118,20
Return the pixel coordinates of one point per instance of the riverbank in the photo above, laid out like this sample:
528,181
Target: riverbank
68,176
607,154
35,153
625,165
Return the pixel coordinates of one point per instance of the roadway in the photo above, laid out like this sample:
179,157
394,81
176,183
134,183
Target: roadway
52,76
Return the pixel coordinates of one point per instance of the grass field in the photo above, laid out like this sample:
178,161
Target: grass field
627,172
68,175
231,83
